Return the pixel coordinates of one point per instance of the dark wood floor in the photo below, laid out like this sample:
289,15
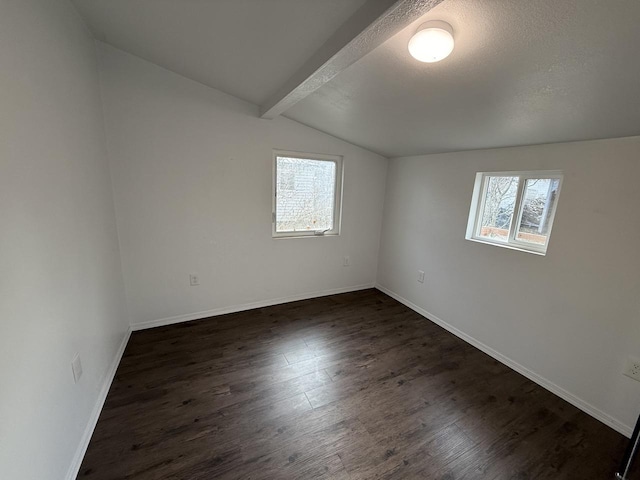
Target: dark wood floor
349,386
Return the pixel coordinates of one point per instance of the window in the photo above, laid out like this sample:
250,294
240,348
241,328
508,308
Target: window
307,193
514,209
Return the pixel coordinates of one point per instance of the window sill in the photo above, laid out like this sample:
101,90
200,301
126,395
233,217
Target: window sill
281,236
509,246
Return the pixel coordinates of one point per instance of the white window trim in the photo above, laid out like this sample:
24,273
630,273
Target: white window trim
337,201
476,210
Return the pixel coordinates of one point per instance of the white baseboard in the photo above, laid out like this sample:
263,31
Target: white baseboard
586,407
72,473
246,306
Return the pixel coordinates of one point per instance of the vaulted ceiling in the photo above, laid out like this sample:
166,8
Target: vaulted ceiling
247,48
522,72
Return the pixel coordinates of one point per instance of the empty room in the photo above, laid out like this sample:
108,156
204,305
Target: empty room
319,239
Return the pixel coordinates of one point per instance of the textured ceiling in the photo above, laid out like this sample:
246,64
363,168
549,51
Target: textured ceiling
247,48
522,72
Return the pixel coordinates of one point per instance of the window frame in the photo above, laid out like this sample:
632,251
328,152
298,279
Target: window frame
337,201
476,210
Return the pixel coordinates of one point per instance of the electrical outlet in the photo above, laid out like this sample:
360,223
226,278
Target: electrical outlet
194,279
76,368
346,261
420,276
632,369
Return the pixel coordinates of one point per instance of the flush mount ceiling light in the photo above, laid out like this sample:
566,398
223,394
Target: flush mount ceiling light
432,42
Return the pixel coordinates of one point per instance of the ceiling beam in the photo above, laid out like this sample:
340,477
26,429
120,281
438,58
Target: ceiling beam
370,26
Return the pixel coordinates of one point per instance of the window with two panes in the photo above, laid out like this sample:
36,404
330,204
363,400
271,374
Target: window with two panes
514,209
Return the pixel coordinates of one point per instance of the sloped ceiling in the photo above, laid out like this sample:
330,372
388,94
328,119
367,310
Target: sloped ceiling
247,48
522,72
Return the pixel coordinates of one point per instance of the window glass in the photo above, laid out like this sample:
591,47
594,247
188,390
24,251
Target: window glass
498,208
305,196
538,201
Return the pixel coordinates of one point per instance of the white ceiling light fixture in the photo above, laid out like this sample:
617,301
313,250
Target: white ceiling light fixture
432,42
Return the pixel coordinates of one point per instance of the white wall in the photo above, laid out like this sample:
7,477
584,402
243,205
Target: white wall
192,170
61,288
570,317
